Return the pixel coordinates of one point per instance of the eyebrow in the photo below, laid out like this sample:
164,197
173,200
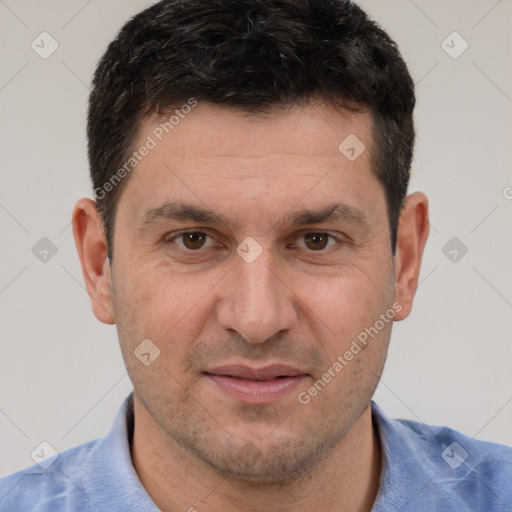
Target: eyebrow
188,212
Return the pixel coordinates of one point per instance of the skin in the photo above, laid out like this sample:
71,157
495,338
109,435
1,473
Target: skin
299,303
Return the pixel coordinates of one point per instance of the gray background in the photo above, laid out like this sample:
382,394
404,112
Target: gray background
62,378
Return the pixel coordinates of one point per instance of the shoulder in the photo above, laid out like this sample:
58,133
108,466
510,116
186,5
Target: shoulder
450,450
447,467
98,475
49,485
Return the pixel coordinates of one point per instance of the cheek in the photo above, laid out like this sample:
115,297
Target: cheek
164,305
350,301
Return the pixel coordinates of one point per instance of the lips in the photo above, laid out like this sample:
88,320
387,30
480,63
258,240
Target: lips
248,373
256,385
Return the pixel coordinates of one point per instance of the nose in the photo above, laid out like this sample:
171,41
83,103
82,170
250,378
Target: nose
257,301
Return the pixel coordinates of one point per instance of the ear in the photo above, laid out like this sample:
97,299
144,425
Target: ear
413,229
92,249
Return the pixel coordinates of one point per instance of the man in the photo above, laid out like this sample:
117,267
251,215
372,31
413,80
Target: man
253,242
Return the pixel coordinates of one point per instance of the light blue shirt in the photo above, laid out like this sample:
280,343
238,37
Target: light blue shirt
424,469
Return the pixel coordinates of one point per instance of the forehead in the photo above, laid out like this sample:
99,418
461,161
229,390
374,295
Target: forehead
314,130
273,158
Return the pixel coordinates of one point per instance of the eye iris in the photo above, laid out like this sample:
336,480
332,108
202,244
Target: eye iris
193,240
315,238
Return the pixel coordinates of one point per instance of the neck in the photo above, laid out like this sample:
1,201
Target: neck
347,479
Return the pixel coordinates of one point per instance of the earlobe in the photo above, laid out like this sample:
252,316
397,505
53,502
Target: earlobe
413,232
92,250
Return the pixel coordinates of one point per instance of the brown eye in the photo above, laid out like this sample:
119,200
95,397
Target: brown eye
191,240
316,241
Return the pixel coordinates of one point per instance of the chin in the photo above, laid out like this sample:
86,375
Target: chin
276,463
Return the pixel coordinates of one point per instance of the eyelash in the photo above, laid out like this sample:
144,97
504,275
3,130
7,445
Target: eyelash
170,239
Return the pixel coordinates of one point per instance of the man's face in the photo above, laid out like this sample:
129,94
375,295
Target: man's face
287,301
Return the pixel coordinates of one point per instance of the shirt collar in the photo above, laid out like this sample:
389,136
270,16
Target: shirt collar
405,470
110,460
